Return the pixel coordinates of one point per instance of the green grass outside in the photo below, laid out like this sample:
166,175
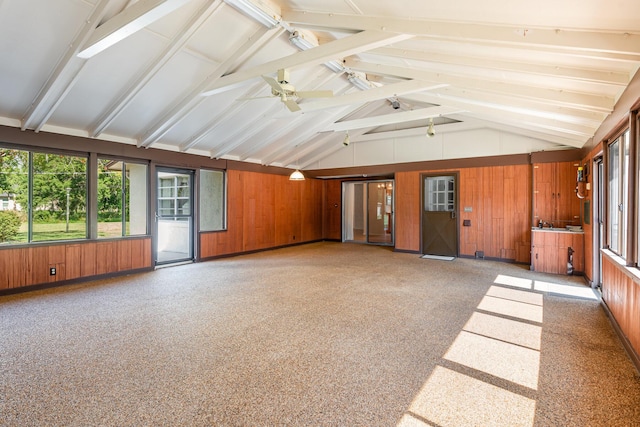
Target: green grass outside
58,231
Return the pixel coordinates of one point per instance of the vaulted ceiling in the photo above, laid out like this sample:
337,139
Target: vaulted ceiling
201,76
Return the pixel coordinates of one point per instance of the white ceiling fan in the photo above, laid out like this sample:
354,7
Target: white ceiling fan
287,92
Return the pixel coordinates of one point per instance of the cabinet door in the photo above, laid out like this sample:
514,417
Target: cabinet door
543,192
567,202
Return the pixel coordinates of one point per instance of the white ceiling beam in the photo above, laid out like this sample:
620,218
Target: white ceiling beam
627,44
467,124
235,139
510,103
579,132
558,71
599,103
393,118
294,152
192,99
350,45
129,21
364,96
301,136
266,140
217,121
518,129
177,43
63,76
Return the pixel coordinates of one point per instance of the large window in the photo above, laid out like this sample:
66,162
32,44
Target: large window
212,200
618,206
46,196
122,198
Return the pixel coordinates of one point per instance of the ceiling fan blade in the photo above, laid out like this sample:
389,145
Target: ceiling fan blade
273,83
291,105
314,94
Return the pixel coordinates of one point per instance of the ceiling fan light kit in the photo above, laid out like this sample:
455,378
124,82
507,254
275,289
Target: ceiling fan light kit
287,93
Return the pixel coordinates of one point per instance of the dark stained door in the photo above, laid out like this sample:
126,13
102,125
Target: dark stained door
439,224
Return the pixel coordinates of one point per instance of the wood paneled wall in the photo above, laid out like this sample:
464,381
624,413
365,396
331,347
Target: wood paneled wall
332,210
266,211
499,198
621,293
28,266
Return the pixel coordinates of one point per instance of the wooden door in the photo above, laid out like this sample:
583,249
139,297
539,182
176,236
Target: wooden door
439,213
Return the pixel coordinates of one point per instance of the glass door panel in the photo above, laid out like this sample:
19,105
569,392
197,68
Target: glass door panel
174,216
367,215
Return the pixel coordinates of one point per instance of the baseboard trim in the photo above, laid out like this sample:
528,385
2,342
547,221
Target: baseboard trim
635,358
50,285
255,251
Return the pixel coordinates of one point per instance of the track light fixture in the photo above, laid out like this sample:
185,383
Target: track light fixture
257,10
346,141
430,130
305,41
359,82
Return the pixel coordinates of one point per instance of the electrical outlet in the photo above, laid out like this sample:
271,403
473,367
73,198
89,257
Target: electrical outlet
52,271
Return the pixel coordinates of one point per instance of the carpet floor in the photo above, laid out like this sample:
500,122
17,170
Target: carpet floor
324,334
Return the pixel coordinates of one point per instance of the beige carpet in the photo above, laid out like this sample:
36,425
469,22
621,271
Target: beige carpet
324,334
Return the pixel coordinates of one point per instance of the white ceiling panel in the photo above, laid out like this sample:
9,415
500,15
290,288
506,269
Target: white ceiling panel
537,75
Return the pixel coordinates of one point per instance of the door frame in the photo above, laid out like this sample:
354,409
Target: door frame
192,216
597,219
456,211
365,184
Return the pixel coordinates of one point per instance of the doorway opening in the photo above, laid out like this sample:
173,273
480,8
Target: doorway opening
439,213
367,214
174,216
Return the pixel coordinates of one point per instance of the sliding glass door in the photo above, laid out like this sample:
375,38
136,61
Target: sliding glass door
367,215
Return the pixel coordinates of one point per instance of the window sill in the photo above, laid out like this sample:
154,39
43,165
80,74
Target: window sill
632,272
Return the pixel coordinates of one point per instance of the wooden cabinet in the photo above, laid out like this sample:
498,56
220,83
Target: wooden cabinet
550,251
554,196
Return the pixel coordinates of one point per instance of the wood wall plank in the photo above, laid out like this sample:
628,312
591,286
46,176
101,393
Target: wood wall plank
332,210
73,261
498,205
265,211
621,293
408,212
